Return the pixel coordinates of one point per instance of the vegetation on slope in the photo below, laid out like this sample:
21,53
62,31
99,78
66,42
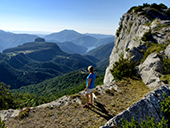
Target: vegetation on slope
123,68
137,9
47,91
66,84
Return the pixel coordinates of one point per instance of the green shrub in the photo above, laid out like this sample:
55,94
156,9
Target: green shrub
119,30
6,98
123,68
165,107
150,123
23,113
99,80
146,5
166,65
2,124
155,6
162,6
147,36
138,9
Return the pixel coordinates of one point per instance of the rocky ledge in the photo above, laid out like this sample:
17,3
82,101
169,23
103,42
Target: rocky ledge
150,106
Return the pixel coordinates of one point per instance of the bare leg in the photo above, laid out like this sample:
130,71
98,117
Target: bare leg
87,99
91,96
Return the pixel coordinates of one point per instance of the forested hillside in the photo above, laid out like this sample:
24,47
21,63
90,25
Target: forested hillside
34,62
67,84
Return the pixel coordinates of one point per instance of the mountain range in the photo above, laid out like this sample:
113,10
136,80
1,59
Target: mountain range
87,41
8,39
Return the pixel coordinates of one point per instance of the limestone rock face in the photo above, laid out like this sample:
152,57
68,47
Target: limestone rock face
136,30
131,29
128,39
150,71
4,114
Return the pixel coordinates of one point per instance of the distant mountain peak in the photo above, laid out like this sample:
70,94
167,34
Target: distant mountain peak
39,40
63,36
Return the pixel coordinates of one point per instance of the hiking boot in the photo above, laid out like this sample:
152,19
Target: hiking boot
85,106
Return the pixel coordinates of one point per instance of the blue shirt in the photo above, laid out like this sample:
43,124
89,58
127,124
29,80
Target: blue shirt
92,76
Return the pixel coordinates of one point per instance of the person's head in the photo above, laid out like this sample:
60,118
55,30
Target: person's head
91,69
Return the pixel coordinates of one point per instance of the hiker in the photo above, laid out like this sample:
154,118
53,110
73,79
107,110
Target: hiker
90,86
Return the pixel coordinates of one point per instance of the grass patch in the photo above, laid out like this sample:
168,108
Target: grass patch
153,48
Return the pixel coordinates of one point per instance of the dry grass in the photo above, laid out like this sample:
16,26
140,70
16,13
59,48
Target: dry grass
75,116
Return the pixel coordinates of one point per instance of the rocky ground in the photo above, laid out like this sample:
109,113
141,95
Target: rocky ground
74,115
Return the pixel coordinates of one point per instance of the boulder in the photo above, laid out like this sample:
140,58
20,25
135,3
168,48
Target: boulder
150,71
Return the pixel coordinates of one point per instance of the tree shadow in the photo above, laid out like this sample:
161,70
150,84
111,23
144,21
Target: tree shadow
103,112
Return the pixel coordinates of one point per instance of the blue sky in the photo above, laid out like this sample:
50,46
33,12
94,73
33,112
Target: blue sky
48,16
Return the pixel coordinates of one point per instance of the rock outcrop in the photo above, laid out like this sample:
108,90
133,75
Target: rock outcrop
128,35
139,27
150,71
150,106
128,39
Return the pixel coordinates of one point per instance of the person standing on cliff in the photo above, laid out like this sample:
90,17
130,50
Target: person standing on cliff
90,86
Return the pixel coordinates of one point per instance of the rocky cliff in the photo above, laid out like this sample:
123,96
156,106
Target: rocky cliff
141,31
131,39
